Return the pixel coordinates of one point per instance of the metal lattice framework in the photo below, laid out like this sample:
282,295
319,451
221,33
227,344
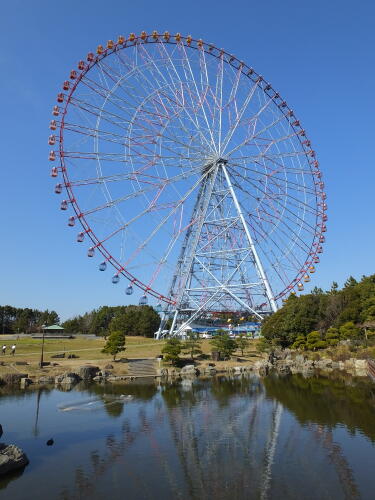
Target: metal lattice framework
184,166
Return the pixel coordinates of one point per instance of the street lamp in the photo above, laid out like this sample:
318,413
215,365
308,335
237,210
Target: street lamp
42,353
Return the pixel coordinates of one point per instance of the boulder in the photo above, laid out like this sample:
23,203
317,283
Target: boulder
263,367
11,458
13,378
236,369
189,370
162,372
25,382
68,378
300,359
209,370
46,380
88,372
361,367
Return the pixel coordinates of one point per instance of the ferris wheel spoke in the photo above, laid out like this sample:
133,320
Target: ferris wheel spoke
233,127
185,108
284,193
255,174
165,219
139,192
255,135
283,251
187,70
283,207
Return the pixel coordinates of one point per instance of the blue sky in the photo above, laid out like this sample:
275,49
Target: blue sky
318,55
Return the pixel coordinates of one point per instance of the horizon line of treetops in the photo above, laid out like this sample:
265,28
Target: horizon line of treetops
317,310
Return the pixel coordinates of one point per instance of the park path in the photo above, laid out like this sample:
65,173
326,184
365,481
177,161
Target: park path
142,367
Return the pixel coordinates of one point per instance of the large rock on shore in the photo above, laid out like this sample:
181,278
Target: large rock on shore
188,370
88,372
68,378
11,458
45,379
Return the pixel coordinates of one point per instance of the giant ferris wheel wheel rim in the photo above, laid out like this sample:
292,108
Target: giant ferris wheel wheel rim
76,77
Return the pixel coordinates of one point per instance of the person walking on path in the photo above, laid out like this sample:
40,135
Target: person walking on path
4,348
13,349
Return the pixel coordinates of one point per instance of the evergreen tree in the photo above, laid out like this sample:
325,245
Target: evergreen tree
115,343
172,350
192,345
224,344
242,342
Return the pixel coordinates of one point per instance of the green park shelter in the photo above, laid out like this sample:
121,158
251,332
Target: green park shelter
53,329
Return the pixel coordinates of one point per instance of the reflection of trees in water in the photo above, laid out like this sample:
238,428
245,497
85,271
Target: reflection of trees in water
327,401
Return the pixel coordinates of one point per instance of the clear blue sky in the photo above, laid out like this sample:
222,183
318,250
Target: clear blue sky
319,55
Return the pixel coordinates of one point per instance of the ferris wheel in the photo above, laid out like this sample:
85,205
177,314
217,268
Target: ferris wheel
188,175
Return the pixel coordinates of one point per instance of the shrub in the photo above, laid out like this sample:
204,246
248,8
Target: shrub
224,344
300,343
172,350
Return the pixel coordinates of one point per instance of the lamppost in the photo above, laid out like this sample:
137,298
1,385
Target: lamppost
42,353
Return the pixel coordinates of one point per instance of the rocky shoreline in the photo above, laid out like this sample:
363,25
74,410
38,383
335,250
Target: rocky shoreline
284,362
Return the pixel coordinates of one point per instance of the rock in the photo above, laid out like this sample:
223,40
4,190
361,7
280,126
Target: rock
162,372
21,363
361,367
46,380
11,458
264,370
103,374
263,367
189,370
108,367
237,369
67,378
13,378
300,359
284,370
62,355
88,372
73,356
209,370
25,382
215,356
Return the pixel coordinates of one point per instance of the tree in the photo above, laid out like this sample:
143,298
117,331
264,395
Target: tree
332,336
349,331
242,342
172,350
299,343
115,343
314,341
192,345
334,287
224,344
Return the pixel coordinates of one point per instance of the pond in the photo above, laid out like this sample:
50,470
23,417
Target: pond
221,438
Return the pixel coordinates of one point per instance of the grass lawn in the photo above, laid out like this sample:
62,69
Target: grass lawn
89,351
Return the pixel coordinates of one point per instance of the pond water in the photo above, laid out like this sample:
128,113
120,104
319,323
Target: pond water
221,438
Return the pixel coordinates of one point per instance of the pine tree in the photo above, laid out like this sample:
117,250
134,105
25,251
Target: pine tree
115,343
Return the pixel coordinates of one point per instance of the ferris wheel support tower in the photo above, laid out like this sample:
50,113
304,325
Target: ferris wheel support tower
212,272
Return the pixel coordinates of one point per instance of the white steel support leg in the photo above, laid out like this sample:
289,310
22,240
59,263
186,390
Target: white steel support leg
258,263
